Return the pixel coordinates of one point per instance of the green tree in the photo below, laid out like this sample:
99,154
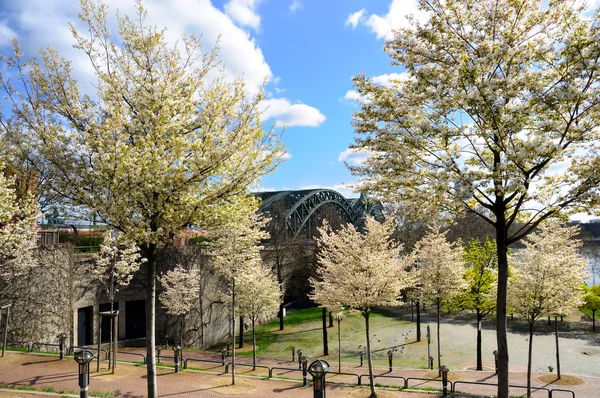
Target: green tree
592,302
481,263
495,113
166,141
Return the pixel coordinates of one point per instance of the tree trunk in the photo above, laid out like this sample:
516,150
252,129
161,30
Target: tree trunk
593,320
253,346
557,348
330,319
439,351
281,316
479,359
418,306
501,338
233,332
150,319
324,317
371,378
241,332
412,310
110,339
339,347
529,359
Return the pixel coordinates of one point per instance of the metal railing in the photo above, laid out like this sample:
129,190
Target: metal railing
408,379
533,388
404,382
133,353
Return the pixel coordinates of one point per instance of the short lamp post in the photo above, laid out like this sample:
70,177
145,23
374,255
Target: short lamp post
83,358
304,361
300,352
318,369
390,354
176,355
223,351
360,354
445,371
158,350
293,354
495,362
228,348
61,345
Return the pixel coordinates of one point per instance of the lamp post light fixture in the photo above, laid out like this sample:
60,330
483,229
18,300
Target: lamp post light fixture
83,358
293,354
318,369
390,354
445,371
495,362
300,352
176,355
61,345
304,361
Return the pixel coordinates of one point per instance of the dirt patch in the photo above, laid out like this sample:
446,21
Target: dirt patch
434,375
415,342
247,348
366,393
223,386
563,381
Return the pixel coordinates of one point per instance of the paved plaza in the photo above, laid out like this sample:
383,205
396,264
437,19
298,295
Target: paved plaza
129,381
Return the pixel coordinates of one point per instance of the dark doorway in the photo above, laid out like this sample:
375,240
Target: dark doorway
106,321
85,326
135,319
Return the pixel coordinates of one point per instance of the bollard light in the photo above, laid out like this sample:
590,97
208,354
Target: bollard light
83,358
158,349
300,352
223,351
318,369
176,355
390,358
496,361
431,362
445,371
360,354
304,361
61,345
293,354
228,348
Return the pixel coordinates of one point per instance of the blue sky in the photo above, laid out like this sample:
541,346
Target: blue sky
307,49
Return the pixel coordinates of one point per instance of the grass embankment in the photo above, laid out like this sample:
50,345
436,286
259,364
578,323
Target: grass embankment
303,330
587,312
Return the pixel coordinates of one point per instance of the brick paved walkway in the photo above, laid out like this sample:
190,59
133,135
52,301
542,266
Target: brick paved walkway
130,382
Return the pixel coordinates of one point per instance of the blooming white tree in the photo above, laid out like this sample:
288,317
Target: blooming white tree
258,295
17,229
547,277
166,141
495,112
236,252
360,271
440,272
117,261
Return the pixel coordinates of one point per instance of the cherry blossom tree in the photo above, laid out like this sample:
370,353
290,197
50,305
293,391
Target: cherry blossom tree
236,253
179,294
17,230
495,113
440,271
592,302
547,278
258,295
164,142
360,271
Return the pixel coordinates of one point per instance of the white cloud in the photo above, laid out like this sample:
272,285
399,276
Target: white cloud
353,156
353,19
243,12
352,95
387,79
43,23
395,18
343,189
295,6
284,112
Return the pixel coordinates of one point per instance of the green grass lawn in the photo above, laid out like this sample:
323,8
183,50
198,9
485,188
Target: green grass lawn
303,330
589,312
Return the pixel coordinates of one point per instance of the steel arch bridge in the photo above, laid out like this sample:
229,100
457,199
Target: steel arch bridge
300,207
